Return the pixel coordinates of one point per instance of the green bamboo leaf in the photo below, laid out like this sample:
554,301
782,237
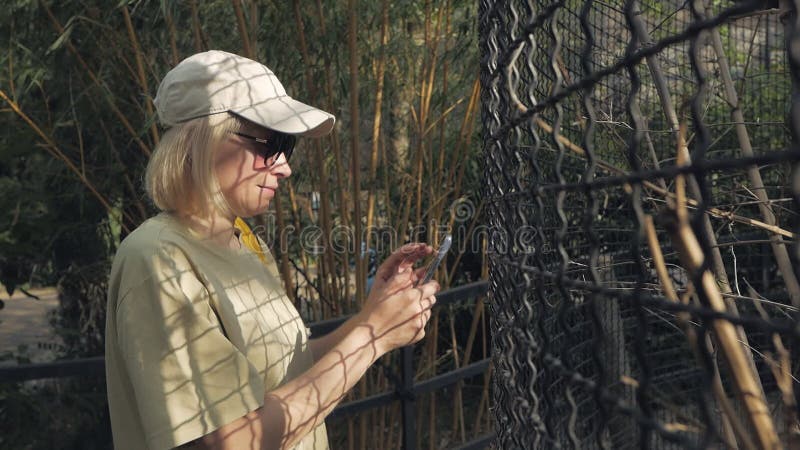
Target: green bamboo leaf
59,42
145,128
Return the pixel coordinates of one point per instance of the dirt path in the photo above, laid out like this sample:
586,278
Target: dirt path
25,321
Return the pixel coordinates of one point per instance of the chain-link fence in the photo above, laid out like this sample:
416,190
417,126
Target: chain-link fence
639,165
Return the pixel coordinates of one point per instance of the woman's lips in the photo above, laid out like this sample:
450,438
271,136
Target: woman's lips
267,188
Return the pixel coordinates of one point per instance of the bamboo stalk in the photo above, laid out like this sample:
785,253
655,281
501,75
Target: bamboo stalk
459,146
458,402
422,117
477,316
743,374
386,185
297,226
351,431
393,425
123,61
379,442
337,154
327,265
668,107
433,344
355,170
483,404
376,121
254,27
114,109
753,173
781,368
426,87
445,68
283,246
78,129
10,55
173,45
241,24
467,139
748,387
730,418
140,75
196,32
355,157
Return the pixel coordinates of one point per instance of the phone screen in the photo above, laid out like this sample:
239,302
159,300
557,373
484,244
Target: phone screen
443,249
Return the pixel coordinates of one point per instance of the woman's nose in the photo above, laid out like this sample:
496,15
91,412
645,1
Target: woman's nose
281,168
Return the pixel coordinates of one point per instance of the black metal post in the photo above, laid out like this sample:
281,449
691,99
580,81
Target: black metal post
407,399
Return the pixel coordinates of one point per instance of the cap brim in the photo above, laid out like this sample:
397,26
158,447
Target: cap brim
289,116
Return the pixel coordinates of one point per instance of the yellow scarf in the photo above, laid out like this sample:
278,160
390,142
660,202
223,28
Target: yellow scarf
249,239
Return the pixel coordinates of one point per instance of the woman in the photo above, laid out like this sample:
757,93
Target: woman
203,348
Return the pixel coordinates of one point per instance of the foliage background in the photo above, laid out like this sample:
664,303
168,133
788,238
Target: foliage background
77,80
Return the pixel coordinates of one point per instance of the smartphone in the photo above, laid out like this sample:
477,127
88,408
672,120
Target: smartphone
443,249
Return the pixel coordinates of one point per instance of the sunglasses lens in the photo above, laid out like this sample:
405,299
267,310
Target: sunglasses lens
283,143
276,144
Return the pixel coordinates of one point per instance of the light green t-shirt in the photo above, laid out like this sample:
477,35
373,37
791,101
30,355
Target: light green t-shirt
196,334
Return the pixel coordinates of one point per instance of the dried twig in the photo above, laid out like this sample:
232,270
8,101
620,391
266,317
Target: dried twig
715,212
743,375
684,320
753,173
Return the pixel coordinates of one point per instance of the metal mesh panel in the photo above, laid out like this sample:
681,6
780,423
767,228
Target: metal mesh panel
643,280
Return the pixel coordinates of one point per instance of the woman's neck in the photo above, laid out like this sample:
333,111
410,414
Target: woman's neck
217,228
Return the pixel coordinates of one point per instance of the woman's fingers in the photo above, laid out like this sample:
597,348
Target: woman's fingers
419,273
402,316
398,281
428,289
403,257
427,303
404,278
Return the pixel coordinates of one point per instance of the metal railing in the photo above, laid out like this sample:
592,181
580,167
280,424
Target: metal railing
405,390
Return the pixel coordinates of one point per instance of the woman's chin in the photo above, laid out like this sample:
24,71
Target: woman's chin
256,211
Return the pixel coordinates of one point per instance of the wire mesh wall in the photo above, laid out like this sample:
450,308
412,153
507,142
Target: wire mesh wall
644,284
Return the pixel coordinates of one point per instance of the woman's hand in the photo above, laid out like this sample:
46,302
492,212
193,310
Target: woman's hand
396,311
396,272
399,319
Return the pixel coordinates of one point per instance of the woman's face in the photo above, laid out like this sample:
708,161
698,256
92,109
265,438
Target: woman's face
247,181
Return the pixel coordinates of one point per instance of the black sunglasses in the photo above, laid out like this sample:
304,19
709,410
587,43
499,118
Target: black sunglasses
271,148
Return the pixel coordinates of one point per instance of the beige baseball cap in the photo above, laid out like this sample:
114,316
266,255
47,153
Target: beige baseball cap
215,82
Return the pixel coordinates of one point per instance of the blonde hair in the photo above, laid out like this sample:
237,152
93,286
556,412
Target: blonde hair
180,176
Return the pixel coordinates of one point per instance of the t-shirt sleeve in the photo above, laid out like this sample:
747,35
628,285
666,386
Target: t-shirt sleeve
188,378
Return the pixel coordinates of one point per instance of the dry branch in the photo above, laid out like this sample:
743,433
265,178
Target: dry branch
684,320
715,212
744,377
753,173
